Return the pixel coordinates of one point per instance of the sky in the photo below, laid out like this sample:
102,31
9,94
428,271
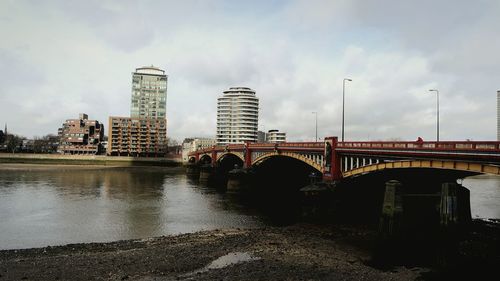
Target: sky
62,58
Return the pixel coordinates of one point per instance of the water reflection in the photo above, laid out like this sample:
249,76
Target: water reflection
53,206
59,206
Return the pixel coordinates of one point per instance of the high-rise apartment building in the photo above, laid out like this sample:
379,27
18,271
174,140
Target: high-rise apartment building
237,116
149,93
144,133
80,136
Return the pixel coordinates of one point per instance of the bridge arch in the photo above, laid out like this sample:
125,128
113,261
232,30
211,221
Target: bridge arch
426,164
205,159
221,156
317,166
229,160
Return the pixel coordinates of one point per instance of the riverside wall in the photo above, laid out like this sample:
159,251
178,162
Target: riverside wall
60,159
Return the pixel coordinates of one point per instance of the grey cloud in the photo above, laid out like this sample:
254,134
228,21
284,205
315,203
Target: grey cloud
295,54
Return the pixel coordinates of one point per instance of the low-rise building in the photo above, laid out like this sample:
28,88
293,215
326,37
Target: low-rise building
80,136
193,144
275,136
144,137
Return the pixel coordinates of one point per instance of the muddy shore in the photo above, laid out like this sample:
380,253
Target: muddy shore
299,252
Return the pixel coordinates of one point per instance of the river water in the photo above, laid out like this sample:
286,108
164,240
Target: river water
43,205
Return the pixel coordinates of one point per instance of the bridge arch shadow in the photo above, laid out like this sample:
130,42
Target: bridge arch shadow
228,162
205,159
276,184
283,172
363,193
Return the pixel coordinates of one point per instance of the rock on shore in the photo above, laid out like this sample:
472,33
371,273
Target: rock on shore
292,253
300,252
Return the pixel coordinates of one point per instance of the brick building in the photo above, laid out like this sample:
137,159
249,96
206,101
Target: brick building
145,137
144,133
81,136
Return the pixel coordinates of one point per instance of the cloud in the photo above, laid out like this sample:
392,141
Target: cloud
60,58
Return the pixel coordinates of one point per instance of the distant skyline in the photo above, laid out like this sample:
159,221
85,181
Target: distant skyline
62,58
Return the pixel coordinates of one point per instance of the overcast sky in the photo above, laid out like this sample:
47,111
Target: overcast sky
60,58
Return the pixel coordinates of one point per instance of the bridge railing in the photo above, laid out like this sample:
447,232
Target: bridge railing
288,144
442,145
284,145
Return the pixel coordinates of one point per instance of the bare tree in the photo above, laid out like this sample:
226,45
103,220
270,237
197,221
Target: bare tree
13,143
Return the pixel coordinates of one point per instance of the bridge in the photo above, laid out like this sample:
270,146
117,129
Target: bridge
336,160
414,182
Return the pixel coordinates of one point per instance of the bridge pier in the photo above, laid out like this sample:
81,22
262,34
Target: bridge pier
423,212
454,206
392,209
206,173
192,170
237,179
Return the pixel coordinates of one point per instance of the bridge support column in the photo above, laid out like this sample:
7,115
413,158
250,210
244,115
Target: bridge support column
237,179
392,209
192,170
454,207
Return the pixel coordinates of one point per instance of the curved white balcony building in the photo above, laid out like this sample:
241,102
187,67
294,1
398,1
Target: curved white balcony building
237,116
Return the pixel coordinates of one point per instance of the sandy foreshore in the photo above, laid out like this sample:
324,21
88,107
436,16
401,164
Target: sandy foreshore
300,252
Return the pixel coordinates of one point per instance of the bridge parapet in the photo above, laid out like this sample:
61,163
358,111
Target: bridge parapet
339,159
442,145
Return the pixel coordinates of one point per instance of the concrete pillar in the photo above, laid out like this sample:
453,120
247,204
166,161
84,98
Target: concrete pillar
192,169
237,180
206,173
392,209
454,207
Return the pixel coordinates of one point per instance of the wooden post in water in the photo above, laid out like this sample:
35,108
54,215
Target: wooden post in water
454,207
392,209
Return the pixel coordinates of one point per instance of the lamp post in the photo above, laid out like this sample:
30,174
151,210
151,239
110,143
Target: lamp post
316,115
437,95
343,104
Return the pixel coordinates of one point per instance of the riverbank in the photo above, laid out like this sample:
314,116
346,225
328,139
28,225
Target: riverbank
299,252
101,160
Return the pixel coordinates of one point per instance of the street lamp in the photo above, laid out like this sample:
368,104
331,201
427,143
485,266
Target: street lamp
437,95
316,114
343,104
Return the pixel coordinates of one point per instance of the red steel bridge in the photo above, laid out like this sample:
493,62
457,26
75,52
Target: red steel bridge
337,160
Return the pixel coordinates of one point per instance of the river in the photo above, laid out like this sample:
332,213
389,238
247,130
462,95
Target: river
55,205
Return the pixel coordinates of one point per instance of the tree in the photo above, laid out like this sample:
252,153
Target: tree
172,146
13,143
45,144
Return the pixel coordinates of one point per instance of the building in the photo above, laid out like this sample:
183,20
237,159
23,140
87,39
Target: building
275,136
80,136
144,133
237,116
193,144
261,137
149,93
137,136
